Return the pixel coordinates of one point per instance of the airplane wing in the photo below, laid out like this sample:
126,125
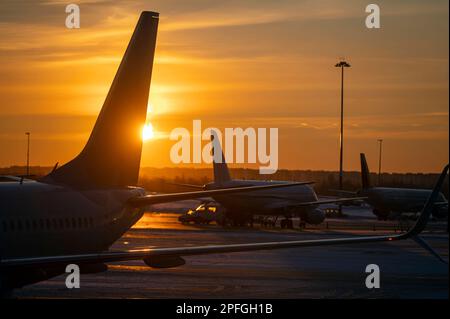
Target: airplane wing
341,191
441,204
187,185
163,198
170,257
327,201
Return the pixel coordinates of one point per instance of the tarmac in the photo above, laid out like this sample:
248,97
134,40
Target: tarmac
406,270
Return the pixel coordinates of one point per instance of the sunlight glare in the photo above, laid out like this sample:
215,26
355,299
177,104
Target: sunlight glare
147,132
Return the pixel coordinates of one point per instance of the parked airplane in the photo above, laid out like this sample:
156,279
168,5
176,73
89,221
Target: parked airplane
387,200
300,201
74,214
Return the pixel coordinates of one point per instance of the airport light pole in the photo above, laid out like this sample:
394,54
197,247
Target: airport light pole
342,64
28,153
380,142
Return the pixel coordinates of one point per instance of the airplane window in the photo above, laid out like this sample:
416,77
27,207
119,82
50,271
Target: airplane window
47,223
11,225
41,223
85,220
91,221
27,225
67,221
74,223
54,224
79,222
34,224
19,225
61,223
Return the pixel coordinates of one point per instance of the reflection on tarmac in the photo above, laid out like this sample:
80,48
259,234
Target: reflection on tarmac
407,271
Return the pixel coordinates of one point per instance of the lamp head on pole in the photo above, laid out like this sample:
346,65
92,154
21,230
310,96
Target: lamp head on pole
342,64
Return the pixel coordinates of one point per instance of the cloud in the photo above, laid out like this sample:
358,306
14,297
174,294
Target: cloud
234,63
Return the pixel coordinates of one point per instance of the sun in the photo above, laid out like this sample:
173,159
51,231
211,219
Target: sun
147,132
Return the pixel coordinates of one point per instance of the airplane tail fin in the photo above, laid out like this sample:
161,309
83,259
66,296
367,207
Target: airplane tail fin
365,174
112,154
221,171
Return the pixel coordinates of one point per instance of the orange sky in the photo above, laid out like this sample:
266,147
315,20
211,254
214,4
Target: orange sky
235,64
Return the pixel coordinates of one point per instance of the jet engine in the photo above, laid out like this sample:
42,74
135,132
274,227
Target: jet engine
440,212
314,217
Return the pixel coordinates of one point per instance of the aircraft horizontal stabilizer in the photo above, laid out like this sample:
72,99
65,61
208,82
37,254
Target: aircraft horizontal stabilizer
327,201
188,185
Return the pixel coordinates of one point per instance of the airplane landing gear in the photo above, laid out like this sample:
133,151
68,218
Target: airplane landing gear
302,224
235,220
287,223
268,221
381,215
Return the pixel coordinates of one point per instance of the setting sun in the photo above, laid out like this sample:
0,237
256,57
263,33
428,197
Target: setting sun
147,132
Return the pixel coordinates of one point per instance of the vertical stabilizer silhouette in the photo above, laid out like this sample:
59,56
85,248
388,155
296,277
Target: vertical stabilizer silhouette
365,174
112,154
221,172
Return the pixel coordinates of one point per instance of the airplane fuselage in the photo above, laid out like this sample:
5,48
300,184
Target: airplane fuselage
264,202
39,219
387,199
